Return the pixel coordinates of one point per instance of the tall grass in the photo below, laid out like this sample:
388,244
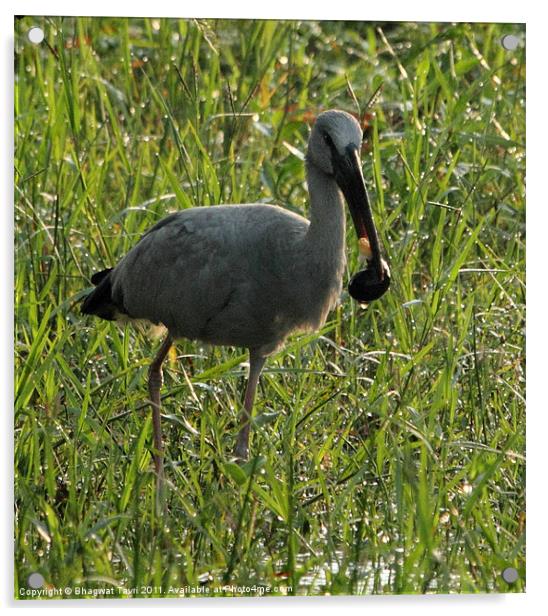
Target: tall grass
388,451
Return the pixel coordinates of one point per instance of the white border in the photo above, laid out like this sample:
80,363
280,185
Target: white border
397,10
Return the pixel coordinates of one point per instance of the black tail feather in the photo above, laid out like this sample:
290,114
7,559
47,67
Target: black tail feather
98,276
99,302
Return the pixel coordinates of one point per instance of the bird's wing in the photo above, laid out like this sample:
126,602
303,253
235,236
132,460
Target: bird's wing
196,264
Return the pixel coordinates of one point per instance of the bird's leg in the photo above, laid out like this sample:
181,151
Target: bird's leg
256,363
155,380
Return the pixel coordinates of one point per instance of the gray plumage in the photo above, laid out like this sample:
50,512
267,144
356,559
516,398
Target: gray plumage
247,275
229,275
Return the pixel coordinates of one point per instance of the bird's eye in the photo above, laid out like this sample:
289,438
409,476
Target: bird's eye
327,138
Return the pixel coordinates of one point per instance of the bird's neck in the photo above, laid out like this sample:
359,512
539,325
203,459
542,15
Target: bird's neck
325,236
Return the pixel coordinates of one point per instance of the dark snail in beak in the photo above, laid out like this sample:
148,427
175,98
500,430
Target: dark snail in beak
372,282
366,285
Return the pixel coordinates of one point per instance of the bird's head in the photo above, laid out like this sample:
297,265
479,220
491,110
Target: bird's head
333,132
334,149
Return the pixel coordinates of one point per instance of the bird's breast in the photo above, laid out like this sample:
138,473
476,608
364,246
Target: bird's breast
319,290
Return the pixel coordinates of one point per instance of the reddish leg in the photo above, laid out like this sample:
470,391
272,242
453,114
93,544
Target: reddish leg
256,363
155,380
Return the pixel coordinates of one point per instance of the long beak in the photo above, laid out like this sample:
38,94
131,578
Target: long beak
349,177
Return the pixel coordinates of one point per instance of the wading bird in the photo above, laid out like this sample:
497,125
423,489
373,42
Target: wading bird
249,275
